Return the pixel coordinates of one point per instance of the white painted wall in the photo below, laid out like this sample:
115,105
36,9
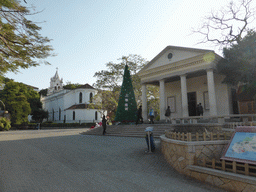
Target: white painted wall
199,85
67,98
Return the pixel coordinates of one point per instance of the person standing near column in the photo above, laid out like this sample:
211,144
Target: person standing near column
151,115
168,114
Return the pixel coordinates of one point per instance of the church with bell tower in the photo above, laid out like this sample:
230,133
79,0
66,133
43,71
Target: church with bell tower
56,83
70,105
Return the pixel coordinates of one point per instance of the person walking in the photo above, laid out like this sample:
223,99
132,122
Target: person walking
104,124
168,114
151,116
139,116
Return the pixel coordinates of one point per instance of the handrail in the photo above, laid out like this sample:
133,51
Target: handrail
219,118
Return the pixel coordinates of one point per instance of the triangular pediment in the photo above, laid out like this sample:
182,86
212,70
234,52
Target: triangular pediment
173,54
173,61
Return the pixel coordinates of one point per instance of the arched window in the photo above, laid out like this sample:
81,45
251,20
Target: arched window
96,115
74,115
53,114
59,113
91,97
80,97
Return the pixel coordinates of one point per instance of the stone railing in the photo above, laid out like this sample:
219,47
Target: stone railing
246,119
205,136
181,155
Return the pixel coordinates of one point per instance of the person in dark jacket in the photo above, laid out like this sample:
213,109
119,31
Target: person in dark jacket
168,114
139,116
104,124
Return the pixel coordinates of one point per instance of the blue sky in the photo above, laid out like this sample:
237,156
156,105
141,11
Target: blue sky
87,34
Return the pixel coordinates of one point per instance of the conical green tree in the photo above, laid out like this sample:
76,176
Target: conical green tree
127,107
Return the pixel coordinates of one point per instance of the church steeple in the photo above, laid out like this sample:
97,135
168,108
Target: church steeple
56,83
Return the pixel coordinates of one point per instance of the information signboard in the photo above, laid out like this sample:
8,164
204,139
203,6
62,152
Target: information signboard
242,146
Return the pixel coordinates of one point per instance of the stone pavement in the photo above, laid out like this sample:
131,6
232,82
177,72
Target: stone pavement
65,160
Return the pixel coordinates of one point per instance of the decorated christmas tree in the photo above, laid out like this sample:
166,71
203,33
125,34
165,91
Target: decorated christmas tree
127,107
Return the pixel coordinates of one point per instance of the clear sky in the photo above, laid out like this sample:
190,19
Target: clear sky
87,34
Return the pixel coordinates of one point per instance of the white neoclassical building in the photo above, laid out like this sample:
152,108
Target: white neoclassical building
70,105
187,77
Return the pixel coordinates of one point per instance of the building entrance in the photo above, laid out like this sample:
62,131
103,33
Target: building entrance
192,104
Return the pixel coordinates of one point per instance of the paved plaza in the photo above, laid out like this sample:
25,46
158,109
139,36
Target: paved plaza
65,160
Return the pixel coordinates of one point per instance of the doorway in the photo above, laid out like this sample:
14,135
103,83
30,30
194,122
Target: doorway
192,104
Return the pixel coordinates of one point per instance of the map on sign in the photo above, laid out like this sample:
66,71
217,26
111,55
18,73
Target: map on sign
242,146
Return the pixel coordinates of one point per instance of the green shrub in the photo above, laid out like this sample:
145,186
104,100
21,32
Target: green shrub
5,124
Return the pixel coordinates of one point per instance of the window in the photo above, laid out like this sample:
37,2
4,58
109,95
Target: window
96,115
80,97
53,114
91,97
74,115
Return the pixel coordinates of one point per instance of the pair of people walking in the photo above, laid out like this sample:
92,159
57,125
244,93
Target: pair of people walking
139,116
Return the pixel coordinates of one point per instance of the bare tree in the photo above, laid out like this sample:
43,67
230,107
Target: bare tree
228,25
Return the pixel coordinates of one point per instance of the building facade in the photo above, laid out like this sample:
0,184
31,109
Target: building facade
70,105
186,77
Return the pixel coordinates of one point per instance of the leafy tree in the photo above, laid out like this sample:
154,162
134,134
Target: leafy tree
39,115
43,92
21,45
5,124
153,99
239,62
109,82
20,100
227,25
127,107
70,85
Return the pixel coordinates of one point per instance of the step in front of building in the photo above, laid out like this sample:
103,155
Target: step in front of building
130,130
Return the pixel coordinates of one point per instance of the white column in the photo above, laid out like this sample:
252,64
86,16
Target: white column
184,95
211,92
162,99
144,102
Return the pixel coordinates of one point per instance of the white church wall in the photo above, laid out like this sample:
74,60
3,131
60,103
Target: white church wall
82,116
69,99
59,100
